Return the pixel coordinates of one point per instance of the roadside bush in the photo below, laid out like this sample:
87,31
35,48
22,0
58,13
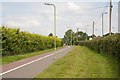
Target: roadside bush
15,41
108,44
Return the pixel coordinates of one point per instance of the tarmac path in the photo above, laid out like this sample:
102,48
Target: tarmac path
28,68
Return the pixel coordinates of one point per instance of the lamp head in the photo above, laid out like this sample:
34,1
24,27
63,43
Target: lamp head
47,4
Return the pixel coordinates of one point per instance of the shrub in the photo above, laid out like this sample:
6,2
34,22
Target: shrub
108,44
15,41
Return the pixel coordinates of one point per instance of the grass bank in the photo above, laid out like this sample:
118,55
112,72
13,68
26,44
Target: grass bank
9,59
82,63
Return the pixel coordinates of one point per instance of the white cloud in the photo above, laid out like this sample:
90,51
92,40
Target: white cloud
20,21
73,6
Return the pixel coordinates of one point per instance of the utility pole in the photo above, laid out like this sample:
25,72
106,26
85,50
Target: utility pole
110,17
102,24
71,38
93,27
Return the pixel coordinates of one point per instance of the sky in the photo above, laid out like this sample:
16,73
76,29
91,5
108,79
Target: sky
35,17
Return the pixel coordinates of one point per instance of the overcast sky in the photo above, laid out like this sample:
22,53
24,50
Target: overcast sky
35,17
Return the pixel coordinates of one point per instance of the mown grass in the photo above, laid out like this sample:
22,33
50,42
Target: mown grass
82,63
13,58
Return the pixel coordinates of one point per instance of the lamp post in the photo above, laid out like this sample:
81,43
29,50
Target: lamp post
103,22
54,21
86,30
93,27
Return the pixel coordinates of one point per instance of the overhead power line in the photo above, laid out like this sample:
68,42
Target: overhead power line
97,8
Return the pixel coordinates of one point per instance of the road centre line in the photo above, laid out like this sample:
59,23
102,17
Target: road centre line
31,62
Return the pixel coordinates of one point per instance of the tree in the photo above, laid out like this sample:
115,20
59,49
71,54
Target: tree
50,34
68,37
80,36
71,37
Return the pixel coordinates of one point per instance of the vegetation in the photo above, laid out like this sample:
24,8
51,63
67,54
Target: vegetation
11,58
107,44
82,63
15,41
71,37
50,34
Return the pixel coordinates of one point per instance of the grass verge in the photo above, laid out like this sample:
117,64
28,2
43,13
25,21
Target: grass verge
82,63
9,59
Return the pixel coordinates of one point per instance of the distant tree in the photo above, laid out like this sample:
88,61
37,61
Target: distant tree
71,37
68,37
50,34
80,36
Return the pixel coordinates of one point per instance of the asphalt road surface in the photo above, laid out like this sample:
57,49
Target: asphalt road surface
29,67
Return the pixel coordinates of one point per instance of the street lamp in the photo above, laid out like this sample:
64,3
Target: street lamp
54,21
86,30
103,22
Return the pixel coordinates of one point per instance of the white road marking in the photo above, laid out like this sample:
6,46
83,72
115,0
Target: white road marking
31,62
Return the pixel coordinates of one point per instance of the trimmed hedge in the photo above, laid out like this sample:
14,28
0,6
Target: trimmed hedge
15,41
108,44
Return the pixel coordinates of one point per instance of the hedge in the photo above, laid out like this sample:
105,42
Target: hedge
107,44
15,41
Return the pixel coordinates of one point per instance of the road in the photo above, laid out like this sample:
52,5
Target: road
29,67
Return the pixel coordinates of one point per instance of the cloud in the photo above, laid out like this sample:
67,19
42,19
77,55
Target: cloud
73,6
20,21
